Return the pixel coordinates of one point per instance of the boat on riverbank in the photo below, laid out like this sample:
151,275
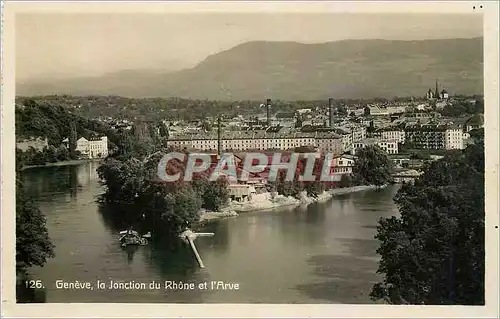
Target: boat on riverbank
131,237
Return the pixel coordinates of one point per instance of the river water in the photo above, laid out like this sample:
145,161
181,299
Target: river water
324,253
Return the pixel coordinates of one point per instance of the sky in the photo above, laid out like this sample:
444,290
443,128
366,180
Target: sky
73,45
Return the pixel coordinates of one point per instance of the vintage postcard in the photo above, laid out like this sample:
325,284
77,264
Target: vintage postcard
250,159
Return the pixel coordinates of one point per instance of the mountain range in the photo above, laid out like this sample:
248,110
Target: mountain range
298,71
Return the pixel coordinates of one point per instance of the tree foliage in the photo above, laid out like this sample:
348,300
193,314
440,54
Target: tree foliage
50,154
462,107
346,181
53,120
213,194
434,252
134,185
295,186
372,167
33,245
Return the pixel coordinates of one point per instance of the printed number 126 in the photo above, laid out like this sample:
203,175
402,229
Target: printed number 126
34,284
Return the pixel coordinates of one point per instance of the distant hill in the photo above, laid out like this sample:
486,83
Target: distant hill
296,71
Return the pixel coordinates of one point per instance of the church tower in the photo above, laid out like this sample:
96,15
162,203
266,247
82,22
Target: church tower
436,94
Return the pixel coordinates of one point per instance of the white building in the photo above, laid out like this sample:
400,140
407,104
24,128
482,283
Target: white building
391,133
303,111
384,111
389,146
93,148
358,133
351,134
343,164
454,138
346,137
444,94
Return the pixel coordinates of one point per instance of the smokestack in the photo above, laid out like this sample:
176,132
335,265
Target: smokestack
268,110
330,112
219,146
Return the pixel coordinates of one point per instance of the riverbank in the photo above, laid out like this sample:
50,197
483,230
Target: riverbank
266,202
210,216
63,163
355,189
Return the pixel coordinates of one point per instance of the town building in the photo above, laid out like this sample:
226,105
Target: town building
92,148
343,164
390,133
454,137
474,122
429,95
436,136
436,94
241,192
426,136
260,140
36,143
389,146
444,95
346,137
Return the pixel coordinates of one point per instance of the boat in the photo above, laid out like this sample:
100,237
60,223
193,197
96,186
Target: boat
131,237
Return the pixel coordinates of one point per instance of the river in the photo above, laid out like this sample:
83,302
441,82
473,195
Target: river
324,253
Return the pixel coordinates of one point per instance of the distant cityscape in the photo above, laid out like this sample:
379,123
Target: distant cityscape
396,127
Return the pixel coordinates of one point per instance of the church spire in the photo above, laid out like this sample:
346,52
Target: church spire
436,94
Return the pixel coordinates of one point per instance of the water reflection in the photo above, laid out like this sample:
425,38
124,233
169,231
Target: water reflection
109,215
169,257
130,250
220,242
53,183
73,181
343,279
303,226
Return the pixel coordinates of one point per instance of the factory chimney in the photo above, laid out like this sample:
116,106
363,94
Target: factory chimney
330,112
268,110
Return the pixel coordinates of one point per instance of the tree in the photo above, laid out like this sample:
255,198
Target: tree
434,252
206,126
62,153
163,130
477,134
419,155
345,181
372,167
181,208
33,244
342,110
72,141
214,194
50,154
298,122
366,111
316,187
161,206
290,188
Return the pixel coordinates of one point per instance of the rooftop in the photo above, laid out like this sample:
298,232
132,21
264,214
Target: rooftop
257,134
476,120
